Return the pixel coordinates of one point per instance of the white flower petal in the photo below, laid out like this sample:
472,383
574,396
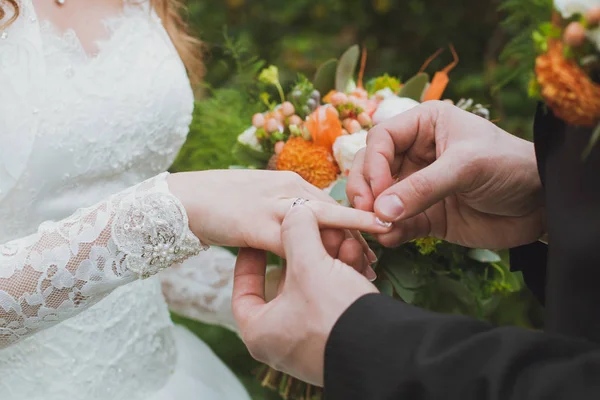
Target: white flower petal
346,147
393,106
248,137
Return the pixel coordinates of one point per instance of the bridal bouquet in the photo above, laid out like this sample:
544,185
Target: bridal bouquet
315,129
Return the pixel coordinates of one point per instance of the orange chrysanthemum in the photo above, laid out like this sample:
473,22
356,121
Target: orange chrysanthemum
310,161
566,88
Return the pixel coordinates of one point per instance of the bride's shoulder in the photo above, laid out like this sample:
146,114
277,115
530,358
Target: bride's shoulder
21,72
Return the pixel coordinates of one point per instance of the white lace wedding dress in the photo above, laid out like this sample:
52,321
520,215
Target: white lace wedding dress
82,315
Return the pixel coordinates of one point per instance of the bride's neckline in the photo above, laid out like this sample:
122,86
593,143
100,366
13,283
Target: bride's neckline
69,40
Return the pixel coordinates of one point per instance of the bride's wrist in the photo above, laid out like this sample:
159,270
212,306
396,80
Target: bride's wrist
180,185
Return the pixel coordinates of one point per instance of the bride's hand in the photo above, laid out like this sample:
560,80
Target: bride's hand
245,208
437,170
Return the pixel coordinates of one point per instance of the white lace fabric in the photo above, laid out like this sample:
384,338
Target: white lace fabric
71,264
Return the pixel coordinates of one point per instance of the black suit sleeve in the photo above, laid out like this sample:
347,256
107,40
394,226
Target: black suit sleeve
381,349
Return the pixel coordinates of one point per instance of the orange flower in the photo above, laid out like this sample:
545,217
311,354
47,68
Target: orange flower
310,161
324,126
566,88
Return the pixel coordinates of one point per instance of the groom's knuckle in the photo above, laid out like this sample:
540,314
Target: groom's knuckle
420,185
472,164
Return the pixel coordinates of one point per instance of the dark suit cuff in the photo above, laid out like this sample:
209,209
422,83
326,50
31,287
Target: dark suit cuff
531,259
354,345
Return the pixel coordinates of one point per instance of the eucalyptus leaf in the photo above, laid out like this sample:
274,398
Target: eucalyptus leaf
484,256
346,68
401,270
407,295
517,309
466,300
414,87
513,281
338,192
324,80
385,287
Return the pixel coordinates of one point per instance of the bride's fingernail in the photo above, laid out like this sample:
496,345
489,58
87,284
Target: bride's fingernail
385,224
370,274
371,256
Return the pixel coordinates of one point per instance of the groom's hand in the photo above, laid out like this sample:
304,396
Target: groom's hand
437,170
289,333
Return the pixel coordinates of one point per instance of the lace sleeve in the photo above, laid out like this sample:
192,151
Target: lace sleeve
69,265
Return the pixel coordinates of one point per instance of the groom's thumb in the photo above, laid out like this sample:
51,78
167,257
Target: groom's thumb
419,191
301,237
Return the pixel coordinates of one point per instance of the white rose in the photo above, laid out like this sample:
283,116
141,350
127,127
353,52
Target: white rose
393,106
568,8
248,137
346,147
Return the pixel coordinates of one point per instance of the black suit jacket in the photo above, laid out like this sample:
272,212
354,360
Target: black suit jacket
384,349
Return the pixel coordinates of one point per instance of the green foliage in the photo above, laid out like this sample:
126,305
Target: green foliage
324,80
223,113
414,87
448,278
223,117
529,23
346,68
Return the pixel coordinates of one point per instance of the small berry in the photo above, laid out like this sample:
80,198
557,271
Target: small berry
592,16
354,126
574,34
278,116
279,147
339,98
295,120
311,103
364,119
287,109
258,120
271,125
346,123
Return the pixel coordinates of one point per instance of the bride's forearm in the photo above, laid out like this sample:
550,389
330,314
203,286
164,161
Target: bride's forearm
69,265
